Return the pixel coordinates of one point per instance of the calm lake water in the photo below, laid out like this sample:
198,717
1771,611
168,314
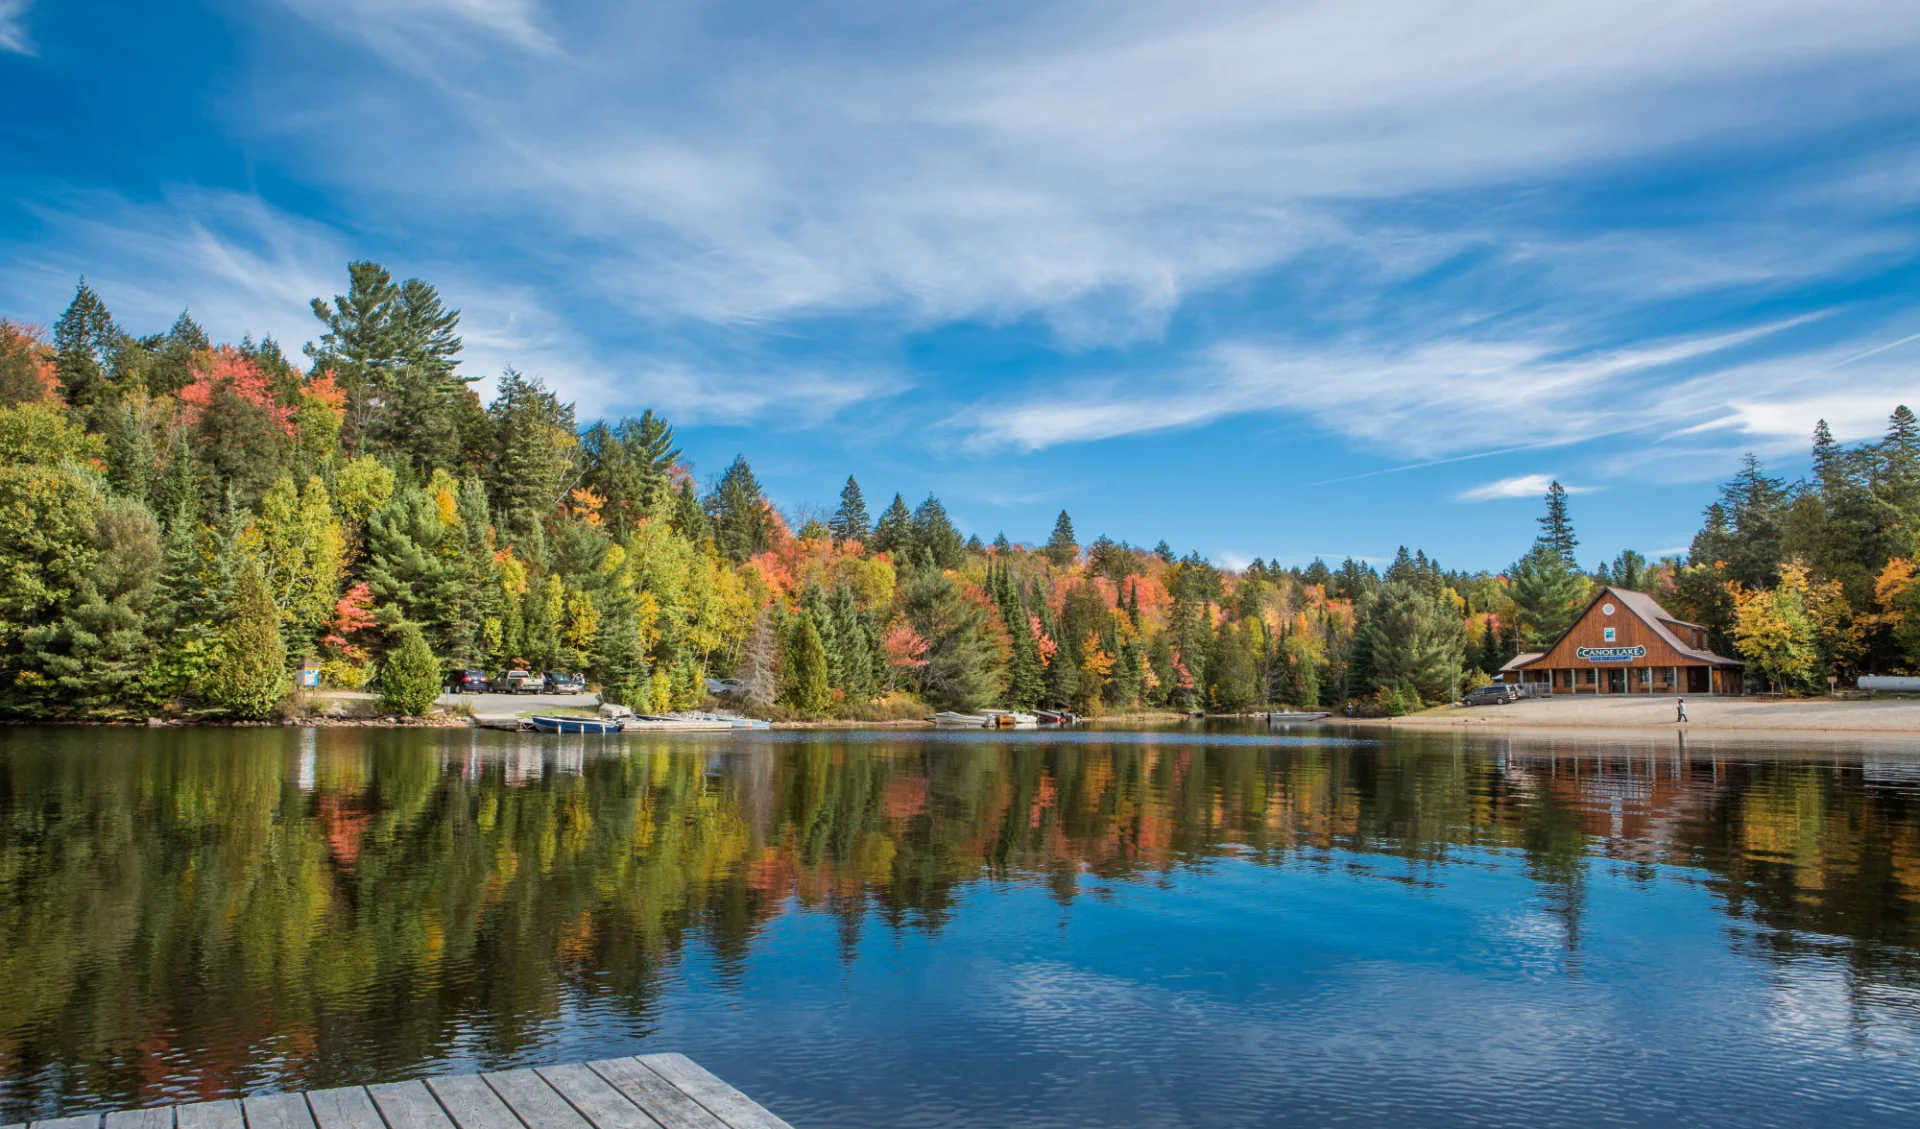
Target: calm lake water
1086,929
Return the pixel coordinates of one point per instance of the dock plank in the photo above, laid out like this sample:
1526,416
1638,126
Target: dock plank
595,1098
663,1101
722,1100
277,1111
78,1121
537,1103
348,1107
408,1105
471,1104
223,1114
158,1118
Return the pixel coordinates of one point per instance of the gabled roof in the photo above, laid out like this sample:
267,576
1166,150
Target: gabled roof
1525,659
1648,611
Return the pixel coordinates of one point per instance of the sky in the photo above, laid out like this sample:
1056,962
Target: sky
1263,279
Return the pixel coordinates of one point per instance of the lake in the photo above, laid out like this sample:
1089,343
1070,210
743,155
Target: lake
1205,927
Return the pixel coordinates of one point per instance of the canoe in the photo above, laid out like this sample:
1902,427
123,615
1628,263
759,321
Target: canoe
546,723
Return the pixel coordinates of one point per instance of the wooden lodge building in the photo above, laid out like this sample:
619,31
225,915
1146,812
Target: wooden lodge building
1625,643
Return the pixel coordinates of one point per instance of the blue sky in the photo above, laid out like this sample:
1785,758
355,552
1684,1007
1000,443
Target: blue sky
1274,279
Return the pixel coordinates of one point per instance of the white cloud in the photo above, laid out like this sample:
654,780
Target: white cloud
1433,399
410,29
1519,486
13,27
242,267
1094,168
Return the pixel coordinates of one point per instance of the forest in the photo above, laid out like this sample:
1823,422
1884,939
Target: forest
184,524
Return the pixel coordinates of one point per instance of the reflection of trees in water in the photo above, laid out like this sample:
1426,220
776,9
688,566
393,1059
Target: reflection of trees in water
356,904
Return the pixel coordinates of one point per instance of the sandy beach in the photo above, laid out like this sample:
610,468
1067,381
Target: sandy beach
1886,715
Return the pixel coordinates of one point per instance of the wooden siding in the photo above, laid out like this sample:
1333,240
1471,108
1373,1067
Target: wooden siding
1629,631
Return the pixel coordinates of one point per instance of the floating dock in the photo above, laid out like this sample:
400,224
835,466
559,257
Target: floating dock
661,1091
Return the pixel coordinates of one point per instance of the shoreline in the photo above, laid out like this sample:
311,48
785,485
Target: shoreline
1891,717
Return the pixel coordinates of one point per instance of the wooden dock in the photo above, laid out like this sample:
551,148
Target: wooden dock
663,1091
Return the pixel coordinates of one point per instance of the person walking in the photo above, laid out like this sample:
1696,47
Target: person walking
1683,712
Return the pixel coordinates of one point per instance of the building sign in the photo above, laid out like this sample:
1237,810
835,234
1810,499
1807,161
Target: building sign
1610,654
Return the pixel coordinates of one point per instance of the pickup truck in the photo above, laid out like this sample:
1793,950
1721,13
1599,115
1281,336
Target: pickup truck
521,682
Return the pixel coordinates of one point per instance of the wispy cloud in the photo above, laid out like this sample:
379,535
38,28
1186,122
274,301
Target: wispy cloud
405,29
13,27
1519,486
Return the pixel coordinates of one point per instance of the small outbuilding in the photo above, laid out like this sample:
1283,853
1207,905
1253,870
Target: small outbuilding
1626,643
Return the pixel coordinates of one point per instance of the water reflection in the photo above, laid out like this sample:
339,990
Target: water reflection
197,914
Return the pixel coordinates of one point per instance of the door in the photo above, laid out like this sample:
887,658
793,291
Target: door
1697,680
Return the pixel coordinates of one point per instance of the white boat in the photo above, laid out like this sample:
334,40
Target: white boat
653,723
947,719
1010,719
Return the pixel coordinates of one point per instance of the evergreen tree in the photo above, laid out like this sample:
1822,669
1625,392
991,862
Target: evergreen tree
893,533
249,672
1556,526
850,522
410,675
394,349
742,526
84,341
628,465
1061,548
934,535
533,457
1362,679
1548,594
959,671
807,688
1416,639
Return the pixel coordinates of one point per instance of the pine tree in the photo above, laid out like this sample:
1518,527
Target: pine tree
741,525
1548,593
410,675
628,465
394,349
1061,548
1362,679
934,535
1556,527
893,533
807,687
84,340
249,673
850,521
533,456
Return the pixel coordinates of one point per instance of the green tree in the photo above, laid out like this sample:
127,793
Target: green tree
249,671
410,675
629,465
807,689
1061,548
394,347
893,533
960,672
534,451
850,522
934,535
84,341
1556,527
90,661
742,525
1547,595
1417,639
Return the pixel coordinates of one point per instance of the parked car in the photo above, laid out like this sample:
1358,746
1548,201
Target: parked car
721,687
559,682
521,682
467,682
1498,694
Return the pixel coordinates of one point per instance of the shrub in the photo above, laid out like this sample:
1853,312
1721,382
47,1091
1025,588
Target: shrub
410,676
249,676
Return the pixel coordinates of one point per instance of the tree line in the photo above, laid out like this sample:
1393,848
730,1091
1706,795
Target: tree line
185,523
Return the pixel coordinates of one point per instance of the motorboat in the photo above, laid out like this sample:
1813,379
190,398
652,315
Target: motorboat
558,723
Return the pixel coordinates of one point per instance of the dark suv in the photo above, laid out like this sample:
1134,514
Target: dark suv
467,682
559,683
1498,694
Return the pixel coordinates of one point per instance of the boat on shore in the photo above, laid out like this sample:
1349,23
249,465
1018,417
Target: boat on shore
949,719
659,723
561,723
1010,719
1284,717
1055,717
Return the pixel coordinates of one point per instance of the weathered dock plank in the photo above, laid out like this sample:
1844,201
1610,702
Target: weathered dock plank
83,1121
595,1098
534,1101
408,1105
224,1114
348,1107
725,1102
663,1101
661,1091
471,1104
159,1118
277,1111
